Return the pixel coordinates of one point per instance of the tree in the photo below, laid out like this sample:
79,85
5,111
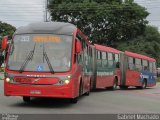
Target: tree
147,44
6,29
108,22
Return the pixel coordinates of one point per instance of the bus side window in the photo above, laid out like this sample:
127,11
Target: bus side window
138,64
113,55
117,61
150,66
98,55
110,59
91,52
154,67
130,63
145,64
98,59
90,58
83,44
104,59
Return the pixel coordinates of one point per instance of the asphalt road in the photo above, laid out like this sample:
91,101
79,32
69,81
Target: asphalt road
100,101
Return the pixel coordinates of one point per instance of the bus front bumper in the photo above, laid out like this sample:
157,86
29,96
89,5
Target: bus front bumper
64,91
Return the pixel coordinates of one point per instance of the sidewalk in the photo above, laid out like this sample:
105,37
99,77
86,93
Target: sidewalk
1,75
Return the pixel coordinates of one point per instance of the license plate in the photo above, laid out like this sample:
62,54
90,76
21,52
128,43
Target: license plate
37,92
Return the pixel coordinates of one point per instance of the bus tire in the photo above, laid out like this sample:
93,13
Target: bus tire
87,93
90,87
80,89
123,87
115,84
26,99
74,100
144,85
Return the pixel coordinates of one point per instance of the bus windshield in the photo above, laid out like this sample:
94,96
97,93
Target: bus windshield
40,52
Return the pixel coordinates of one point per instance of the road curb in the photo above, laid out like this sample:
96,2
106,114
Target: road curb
158,84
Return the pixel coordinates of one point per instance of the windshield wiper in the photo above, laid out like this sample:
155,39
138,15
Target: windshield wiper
29,57
47,59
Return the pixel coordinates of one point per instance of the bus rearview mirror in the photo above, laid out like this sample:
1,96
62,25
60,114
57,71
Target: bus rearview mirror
78,47
4,43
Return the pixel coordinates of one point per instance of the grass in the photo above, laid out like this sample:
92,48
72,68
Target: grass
158,79
1,70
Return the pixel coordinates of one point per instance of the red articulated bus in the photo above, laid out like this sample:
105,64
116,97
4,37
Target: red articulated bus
55,59
106,67
137,70
48,59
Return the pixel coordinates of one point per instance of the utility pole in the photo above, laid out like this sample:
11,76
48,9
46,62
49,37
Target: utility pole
46,11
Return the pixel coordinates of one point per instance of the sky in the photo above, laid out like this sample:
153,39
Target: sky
22,12
153,7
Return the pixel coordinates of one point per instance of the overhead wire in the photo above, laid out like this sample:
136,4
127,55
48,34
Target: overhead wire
33,10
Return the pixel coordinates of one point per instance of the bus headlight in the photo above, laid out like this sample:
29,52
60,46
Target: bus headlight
66,81
8,80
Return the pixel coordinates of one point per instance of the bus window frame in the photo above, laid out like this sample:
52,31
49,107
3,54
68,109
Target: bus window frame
117,61
139,64
129,63
144,67
110,58
151,67
105,57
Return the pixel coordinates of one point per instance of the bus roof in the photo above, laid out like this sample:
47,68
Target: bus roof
92,46
47,27
136,55
106,49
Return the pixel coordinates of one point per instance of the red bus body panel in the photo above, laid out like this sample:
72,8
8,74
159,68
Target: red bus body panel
133,77
104,81
139,56
46,90
47,86
42,90
107,80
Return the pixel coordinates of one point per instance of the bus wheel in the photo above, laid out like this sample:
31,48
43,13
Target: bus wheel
123,87
74,100
114,87
80,89
26,99
90,87
87,93
144,85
